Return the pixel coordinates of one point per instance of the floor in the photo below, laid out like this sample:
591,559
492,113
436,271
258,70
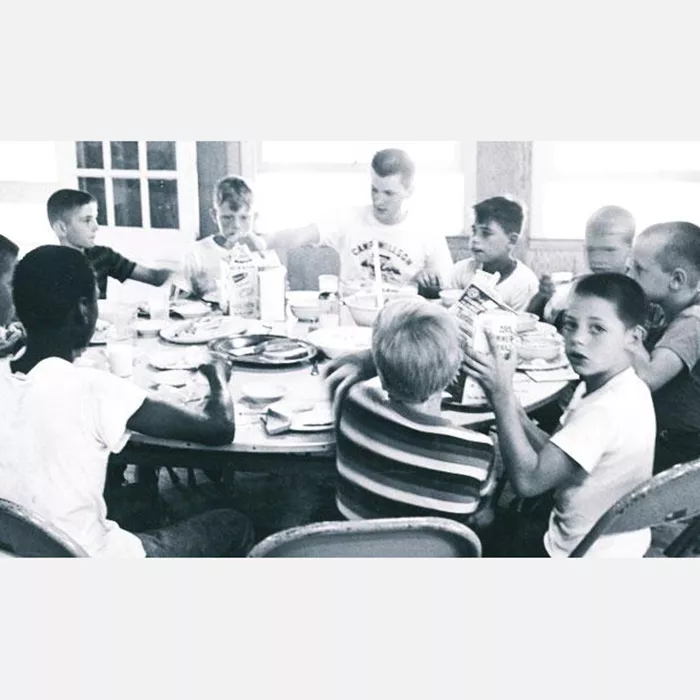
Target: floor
273,503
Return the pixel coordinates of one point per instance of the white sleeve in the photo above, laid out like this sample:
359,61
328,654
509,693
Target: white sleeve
330,231
526,288
585,435
462,274
114,401
439,258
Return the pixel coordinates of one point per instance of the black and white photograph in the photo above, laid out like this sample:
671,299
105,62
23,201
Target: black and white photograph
350,349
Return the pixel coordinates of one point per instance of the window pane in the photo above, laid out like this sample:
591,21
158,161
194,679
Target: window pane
160,155
426,154
127,202
89,154
96,187
163,203
607,157
125,155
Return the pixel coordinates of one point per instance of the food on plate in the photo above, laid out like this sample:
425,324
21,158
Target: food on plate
285,349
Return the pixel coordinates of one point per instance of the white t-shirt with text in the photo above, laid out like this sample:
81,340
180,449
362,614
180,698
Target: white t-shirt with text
405,248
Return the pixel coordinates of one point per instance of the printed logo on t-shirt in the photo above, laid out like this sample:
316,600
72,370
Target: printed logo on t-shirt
393,261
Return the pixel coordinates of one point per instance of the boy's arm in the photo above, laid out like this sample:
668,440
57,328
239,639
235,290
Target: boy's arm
149,275
532,471
656,369
537,437
213,425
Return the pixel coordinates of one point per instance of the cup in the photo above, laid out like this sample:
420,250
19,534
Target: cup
502,324
120,358
123,316
159,304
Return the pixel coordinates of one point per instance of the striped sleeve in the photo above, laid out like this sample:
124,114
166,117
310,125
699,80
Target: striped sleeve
392,462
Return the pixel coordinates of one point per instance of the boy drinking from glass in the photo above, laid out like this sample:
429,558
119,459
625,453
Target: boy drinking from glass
605,443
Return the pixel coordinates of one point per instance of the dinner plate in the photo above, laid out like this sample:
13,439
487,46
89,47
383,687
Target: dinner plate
174,377
560,362
252,349
341,340
203,330
190,309
263,392
319,419
190,358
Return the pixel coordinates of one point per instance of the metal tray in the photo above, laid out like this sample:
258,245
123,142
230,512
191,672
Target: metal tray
224,346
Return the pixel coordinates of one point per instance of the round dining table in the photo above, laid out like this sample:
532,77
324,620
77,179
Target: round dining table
253,449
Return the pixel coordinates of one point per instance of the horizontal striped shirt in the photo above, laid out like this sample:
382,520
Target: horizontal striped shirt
394,461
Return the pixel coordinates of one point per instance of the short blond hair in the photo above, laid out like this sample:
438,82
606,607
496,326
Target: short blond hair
416,349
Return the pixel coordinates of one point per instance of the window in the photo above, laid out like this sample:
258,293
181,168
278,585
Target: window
147,195
655,180
135,182
297,182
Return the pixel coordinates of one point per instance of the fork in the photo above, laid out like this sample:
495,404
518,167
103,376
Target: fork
314,367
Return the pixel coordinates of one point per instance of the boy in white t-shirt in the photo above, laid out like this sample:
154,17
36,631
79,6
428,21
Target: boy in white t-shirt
232,211
497,225
605,444
68,419
409,250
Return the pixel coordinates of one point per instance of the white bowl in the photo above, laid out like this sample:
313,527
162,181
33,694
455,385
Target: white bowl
527,322
263,392
335,342
304,305
364,309
148,328
449,297
539,348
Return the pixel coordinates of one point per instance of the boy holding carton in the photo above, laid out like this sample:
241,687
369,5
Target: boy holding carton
498,223
666,263
396,455
605,444
233,213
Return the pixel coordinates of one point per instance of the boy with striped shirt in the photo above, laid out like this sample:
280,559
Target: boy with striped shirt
396,455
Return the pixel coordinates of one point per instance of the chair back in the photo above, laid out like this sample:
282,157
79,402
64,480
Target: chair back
381,538
669,497
25,534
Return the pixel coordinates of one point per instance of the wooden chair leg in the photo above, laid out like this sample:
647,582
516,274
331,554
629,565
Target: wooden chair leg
684,541
191,480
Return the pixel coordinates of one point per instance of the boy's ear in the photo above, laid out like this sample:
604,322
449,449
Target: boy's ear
513,237
84,310
59,228
679,278
212,213
637,335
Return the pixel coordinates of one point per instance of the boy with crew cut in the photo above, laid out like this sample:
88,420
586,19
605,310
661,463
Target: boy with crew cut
605,443
666,263
498,222
73,217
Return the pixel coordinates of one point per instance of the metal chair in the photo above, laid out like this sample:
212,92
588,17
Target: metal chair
669,497
382,538
25,534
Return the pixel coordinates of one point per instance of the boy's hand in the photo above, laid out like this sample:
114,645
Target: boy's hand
429,283
345,371
494,371
547,287
12,339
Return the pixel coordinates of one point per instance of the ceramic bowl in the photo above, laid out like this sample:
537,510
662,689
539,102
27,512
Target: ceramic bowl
304,305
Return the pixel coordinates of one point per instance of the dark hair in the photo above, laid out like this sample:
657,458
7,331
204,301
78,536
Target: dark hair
234,191
507,212
622,291
8,253
63,202
681,246
394,161
48,283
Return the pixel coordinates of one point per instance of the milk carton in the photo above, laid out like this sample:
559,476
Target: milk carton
239,283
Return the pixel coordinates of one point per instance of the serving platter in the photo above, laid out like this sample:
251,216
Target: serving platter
265,350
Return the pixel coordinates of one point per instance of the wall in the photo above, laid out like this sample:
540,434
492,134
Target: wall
215,159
